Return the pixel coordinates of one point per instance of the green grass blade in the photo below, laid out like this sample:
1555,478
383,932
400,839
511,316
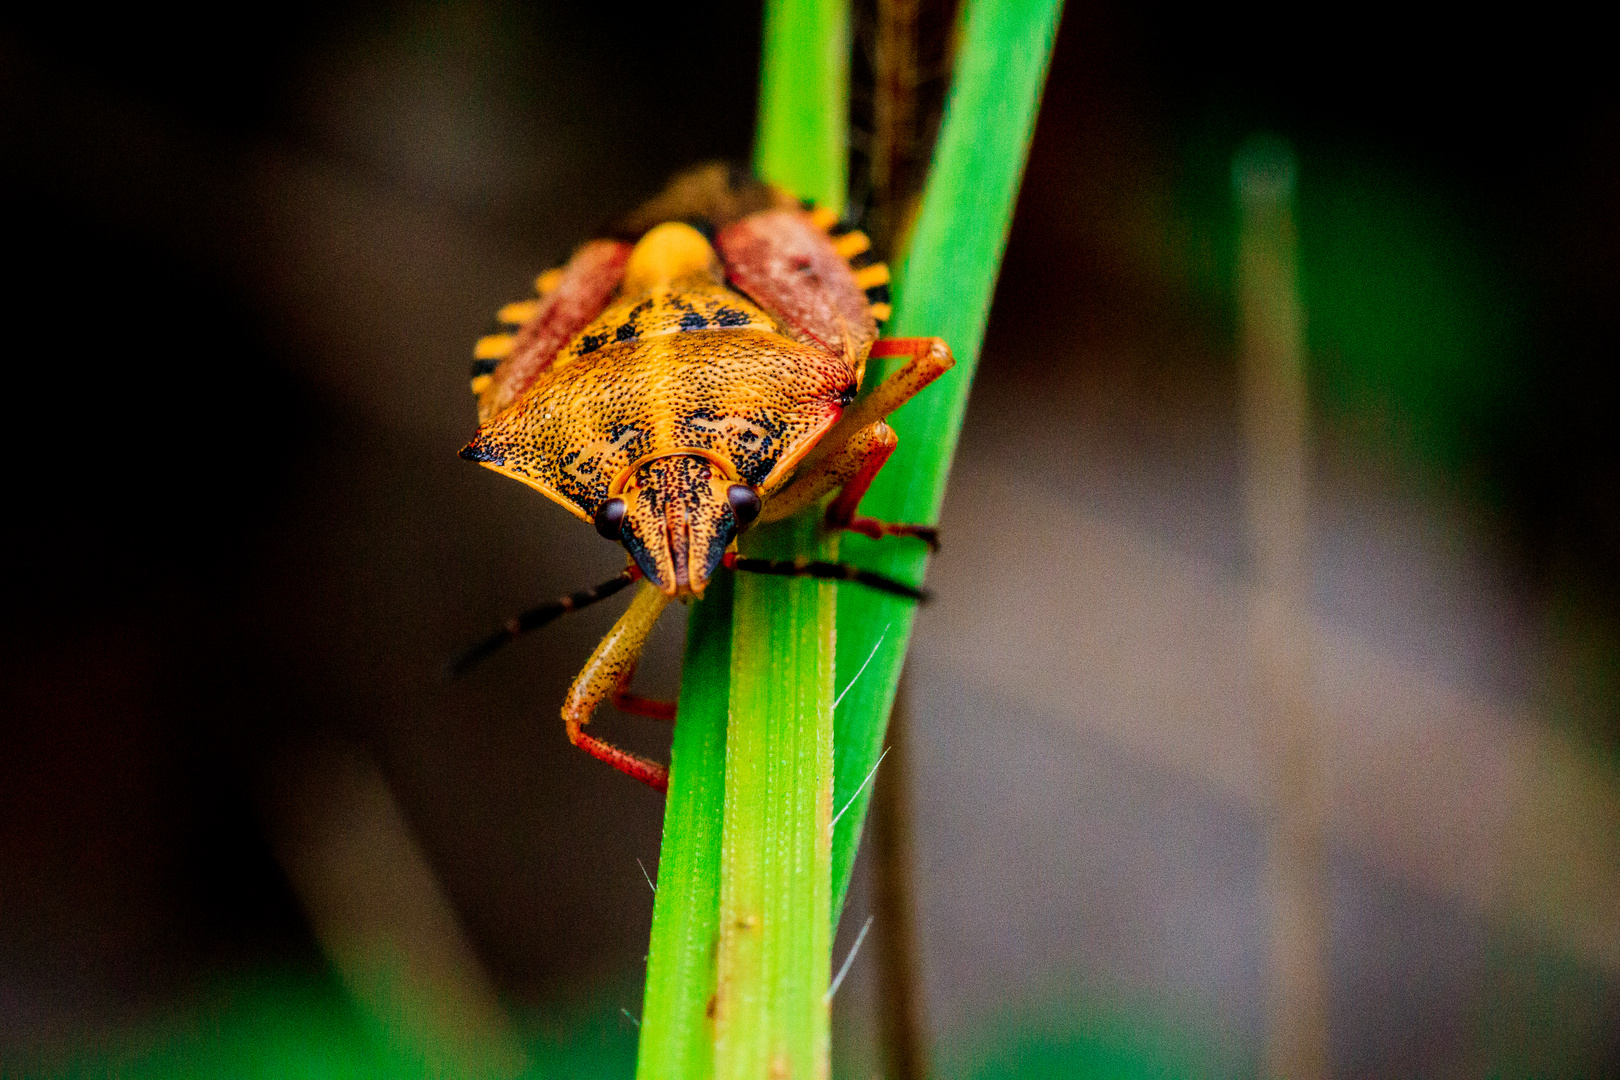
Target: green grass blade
943,288
776,854
677,1034
741,928
775,898
803,137
741,931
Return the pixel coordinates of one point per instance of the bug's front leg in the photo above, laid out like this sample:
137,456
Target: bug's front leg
636,705
604,673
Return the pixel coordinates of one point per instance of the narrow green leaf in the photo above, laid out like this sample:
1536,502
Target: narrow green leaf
741,935
804,99
776,851
943,289
741,949
677,1033
775,893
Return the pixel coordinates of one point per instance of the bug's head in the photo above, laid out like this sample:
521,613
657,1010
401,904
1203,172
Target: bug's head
676,515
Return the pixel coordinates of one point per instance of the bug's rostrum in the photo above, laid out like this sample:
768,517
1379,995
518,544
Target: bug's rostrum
678,519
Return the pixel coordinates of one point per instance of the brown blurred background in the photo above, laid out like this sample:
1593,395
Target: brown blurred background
249,260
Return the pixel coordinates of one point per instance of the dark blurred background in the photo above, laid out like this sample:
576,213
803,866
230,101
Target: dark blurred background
249,261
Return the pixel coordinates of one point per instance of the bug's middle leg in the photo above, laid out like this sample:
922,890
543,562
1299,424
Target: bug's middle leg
869,459
604,673
851,453
852,468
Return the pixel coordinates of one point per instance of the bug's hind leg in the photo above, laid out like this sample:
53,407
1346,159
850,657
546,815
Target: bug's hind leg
850,455
928,359
603,674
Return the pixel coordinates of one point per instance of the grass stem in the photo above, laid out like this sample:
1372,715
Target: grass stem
677,1032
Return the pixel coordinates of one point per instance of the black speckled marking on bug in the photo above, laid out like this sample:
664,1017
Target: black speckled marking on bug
593,415
753,445
728,316
628,330
585,475
481,455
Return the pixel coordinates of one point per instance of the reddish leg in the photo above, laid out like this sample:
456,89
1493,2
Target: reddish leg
636,705
841,511
929,358
650,773
848,470
609,666
850,455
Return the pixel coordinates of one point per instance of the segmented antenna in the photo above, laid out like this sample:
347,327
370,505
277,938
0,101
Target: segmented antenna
538,616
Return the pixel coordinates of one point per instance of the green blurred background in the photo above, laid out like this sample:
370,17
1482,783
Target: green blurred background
244,831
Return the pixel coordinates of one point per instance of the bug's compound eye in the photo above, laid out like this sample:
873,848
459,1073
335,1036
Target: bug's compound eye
744,503
610,519
847,395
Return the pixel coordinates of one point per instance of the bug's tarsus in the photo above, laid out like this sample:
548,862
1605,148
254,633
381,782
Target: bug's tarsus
651,773
829,571
536,617
636,705
877,530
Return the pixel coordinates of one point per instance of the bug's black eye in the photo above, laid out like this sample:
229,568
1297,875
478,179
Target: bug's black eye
848,395
610,518
744,503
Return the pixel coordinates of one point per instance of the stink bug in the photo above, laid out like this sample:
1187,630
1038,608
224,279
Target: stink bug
691,373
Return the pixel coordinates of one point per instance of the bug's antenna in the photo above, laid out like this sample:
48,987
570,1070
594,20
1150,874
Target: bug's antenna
831,572
538,616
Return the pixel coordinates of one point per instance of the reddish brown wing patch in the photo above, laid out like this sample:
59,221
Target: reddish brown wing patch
588,281
791,269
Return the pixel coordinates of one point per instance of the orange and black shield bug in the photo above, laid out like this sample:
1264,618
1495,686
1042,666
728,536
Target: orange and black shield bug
689,374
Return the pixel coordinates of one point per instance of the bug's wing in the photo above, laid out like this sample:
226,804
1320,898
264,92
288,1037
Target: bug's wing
795,271
508,365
